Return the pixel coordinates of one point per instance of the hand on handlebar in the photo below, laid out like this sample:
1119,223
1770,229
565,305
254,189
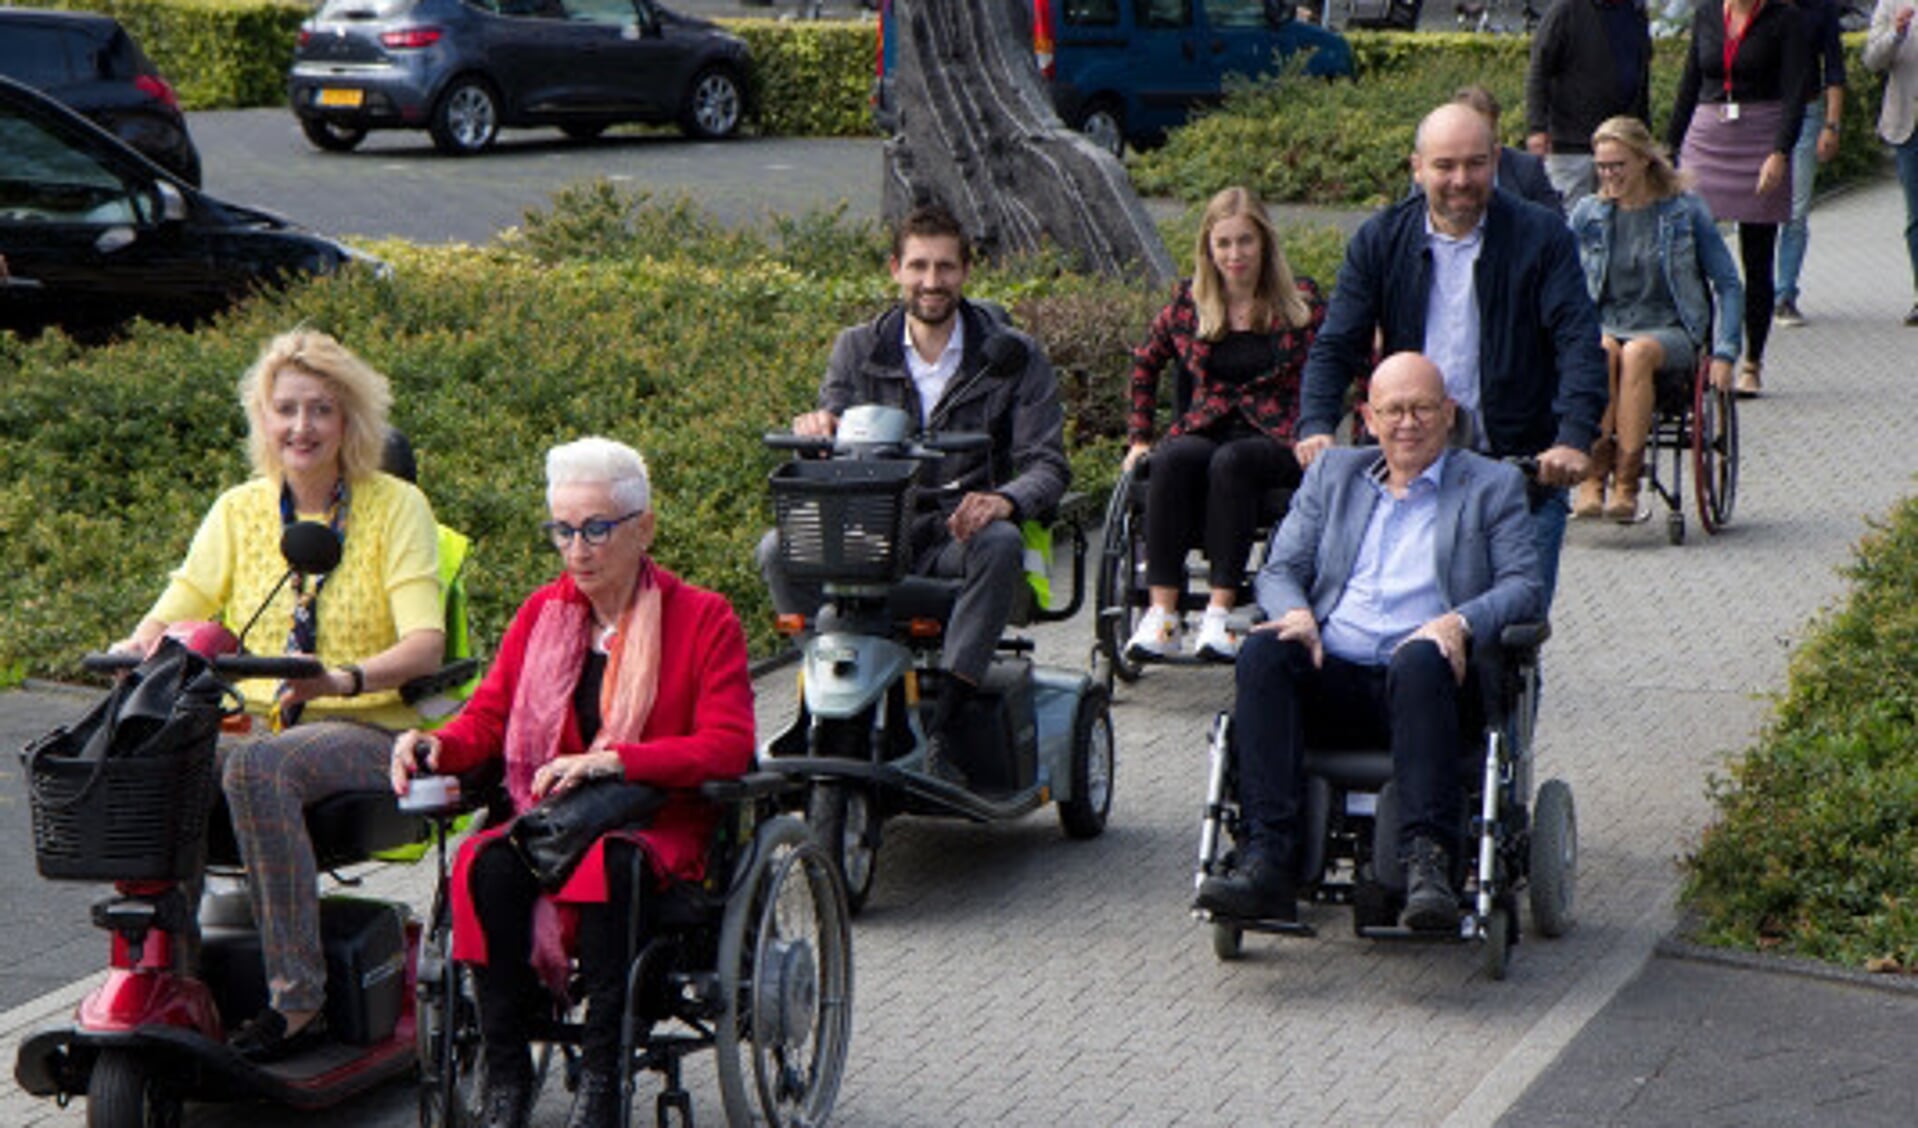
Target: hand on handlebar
1562,466
1307,449
1133,454
414,753
816,425
327,683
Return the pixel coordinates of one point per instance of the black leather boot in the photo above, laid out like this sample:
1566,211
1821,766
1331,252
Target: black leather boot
507,1101
596,1104
1431,905
1261,888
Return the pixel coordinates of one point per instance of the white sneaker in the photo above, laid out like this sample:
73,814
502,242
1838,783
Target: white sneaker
1159,635
1216,641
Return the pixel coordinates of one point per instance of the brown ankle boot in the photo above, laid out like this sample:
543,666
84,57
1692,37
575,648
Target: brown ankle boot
1589,501
1623,507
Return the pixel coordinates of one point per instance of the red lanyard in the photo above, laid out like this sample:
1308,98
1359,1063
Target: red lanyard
1734,42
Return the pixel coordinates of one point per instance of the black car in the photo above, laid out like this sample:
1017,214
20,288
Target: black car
93,234
90,62
461,69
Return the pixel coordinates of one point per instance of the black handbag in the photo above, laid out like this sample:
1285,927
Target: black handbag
553,837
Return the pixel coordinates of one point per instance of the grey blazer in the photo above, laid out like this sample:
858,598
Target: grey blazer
1483,544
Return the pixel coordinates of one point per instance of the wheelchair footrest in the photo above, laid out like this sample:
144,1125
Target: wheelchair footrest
1260,924
1400,933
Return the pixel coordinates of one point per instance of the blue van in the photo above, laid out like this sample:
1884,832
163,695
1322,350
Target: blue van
1125,71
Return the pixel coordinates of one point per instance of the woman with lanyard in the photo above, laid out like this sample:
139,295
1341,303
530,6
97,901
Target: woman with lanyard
316,417
1736,120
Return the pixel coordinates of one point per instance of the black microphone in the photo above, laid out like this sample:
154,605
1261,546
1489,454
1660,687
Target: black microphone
311,549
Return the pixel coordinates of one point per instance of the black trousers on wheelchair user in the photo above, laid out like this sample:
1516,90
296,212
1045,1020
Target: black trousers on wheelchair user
504,893
1413,706
1207,488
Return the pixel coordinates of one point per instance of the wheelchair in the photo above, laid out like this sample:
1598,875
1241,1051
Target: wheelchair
1696,423
1347,854
1121,586
754,962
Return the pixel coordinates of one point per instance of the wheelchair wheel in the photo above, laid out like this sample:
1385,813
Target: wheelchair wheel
1554,860
785,980
446,1025
1228,941
844,818
1084,815
1497,956
1121,589
1714,453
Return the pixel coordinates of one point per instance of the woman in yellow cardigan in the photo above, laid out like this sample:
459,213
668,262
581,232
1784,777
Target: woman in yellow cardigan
316,418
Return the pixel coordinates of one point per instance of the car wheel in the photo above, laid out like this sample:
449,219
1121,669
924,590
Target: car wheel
466,118
331,137
1103,123
583,130
714,105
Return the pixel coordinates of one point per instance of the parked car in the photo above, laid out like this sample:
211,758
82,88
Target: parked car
90,62
92,234
461,69
1125,71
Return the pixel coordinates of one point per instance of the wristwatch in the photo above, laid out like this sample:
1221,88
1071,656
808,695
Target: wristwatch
359,680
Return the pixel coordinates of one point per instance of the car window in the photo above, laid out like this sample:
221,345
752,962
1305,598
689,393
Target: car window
1235,13
619,13
533,9
45,180
362,9
36,56
1163,13
1092,13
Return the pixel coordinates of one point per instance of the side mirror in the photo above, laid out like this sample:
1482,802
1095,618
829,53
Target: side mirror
172,203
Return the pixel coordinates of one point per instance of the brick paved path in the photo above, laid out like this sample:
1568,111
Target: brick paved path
1008,976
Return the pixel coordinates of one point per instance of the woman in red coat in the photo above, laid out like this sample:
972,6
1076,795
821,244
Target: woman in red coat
617,668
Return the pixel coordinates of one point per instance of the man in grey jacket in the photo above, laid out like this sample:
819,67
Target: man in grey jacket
1389,563
952,365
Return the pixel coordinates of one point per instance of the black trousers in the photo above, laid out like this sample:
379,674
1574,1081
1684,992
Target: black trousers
503,892
1206,490
1757,243
1412,706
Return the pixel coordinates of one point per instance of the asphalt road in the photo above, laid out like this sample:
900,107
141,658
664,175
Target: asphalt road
396,184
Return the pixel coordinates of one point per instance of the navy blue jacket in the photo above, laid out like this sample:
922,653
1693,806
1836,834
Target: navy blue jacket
1541,369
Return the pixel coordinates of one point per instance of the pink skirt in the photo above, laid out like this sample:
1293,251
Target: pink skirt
1723,158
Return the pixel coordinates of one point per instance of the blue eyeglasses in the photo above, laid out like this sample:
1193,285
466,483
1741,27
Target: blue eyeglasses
594,532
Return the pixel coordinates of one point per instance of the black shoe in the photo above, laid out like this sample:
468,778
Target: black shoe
507,1102
263,1038
1430,903
1258,889
939,764
596,1104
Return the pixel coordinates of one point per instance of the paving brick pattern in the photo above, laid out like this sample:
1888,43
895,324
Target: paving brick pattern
1006,975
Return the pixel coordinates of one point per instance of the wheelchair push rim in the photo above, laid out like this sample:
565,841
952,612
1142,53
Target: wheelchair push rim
785,978
1714,448
1121,588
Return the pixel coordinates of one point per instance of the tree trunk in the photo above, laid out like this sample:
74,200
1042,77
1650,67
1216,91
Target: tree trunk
978,135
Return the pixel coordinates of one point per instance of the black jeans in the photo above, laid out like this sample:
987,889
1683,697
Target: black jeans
1412,706
503,892
1206,491
1756,244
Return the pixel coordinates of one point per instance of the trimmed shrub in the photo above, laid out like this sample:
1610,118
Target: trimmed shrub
811,78
1815,849
1295,139
608,313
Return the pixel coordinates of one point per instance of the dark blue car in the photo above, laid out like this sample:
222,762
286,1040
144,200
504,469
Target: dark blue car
1125,71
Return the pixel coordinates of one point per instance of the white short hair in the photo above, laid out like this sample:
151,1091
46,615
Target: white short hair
595,459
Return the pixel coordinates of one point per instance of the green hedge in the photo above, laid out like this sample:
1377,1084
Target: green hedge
608,313
811,78
218,54
1296,139
1815,848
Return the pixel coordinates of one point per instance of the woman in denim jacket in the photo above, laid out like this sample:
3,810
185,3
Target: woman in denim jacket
1648,248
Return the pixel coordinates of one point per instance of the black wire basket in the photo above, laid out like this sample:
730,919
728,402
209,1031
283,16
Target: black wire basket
125,818
844,521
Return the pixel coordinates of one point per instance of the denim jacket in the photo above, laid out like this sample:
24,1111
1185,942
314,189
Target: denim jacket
1690,252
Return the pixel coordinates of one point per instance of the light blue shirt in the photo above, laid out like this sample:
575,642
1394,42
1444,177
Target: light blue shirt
1394,588
1451,317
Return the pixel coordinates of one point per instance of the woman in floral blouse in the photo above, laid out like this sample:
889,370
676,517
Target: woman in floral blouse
1238,331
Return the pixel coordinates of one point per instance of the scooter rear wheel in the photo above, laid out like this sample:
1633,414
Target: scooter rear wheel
122,1093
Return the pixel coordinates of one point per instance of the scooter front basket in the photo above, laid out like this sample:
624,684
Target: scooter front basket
844,521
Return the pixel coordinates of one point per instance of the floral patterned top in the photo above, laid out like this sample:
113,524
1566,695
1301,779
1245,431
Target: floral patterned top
1269,402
